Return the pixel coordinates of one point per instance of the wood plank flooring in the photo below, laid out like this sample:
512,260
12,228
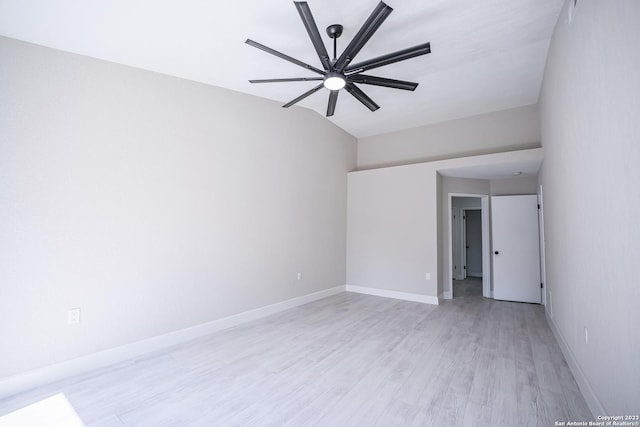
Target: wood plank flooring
346,360
469,287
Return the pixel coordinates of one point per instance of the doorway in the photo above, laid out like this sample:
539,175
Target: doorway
469,268
472,242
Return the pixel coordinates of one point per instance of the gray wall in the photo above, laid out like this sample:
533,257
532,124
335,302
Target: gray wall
466,202
392,229
590,110
507,130
153,203
514,186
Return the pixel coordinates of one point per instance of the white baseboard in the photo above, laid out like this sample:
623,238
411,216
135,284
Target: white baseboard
426,299
479,275
447,295
594,404
48,374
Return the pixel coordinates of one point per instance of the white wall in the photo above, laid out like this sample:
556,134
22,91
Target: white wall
153,203
507,130
590,110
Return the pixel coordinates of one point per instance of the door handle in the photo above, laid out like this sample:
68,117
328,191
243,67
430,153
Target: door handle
497,253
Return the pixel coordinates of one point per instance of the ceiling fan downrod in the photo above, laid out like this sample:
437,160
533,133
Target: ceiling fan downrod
334,31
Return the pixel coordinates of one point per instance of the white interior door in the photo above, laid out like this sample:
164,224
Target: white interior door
516,248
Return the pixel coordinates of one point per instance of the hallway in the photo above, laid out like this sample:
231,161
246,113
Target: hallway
469,287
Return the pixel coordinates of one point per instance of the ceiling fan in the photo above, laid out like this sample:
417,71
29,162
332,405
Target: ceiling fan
338,73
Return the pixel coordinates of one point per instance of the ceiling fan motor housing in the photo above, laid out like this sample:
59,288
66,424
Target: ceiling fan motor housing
334,31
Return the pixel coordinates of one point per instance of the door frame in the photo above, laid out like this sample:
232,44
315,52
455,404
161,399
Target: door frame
543,267
486,246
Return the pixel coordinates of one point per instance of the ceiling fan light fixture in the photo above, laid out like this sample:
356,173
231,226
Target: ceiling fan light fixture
334,81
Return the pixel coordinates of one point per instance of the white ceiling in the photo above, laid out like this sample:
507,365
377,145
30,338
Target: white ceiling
486,55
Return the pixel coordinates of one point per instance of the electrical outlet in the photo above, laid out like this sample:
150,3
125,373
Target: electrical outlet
73,316
586,335
299,276
427,276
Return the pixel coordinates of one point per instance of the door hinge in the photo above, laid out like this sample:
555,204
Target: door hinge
465,267
538,206
541,286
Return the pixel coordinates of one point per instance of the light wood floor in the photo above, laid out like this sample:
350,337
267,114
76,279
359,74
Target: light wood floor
345,360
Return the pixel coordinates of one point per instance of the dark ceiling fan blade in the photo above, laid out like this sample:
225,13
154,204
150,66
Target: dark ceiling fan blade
361,96
314,34
333,100
283,56
382,81
292,79
390,58
377,17
304,95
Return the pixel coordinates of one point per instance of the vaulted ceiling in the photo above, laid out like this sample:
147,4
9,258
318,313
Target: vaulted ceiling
487,55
